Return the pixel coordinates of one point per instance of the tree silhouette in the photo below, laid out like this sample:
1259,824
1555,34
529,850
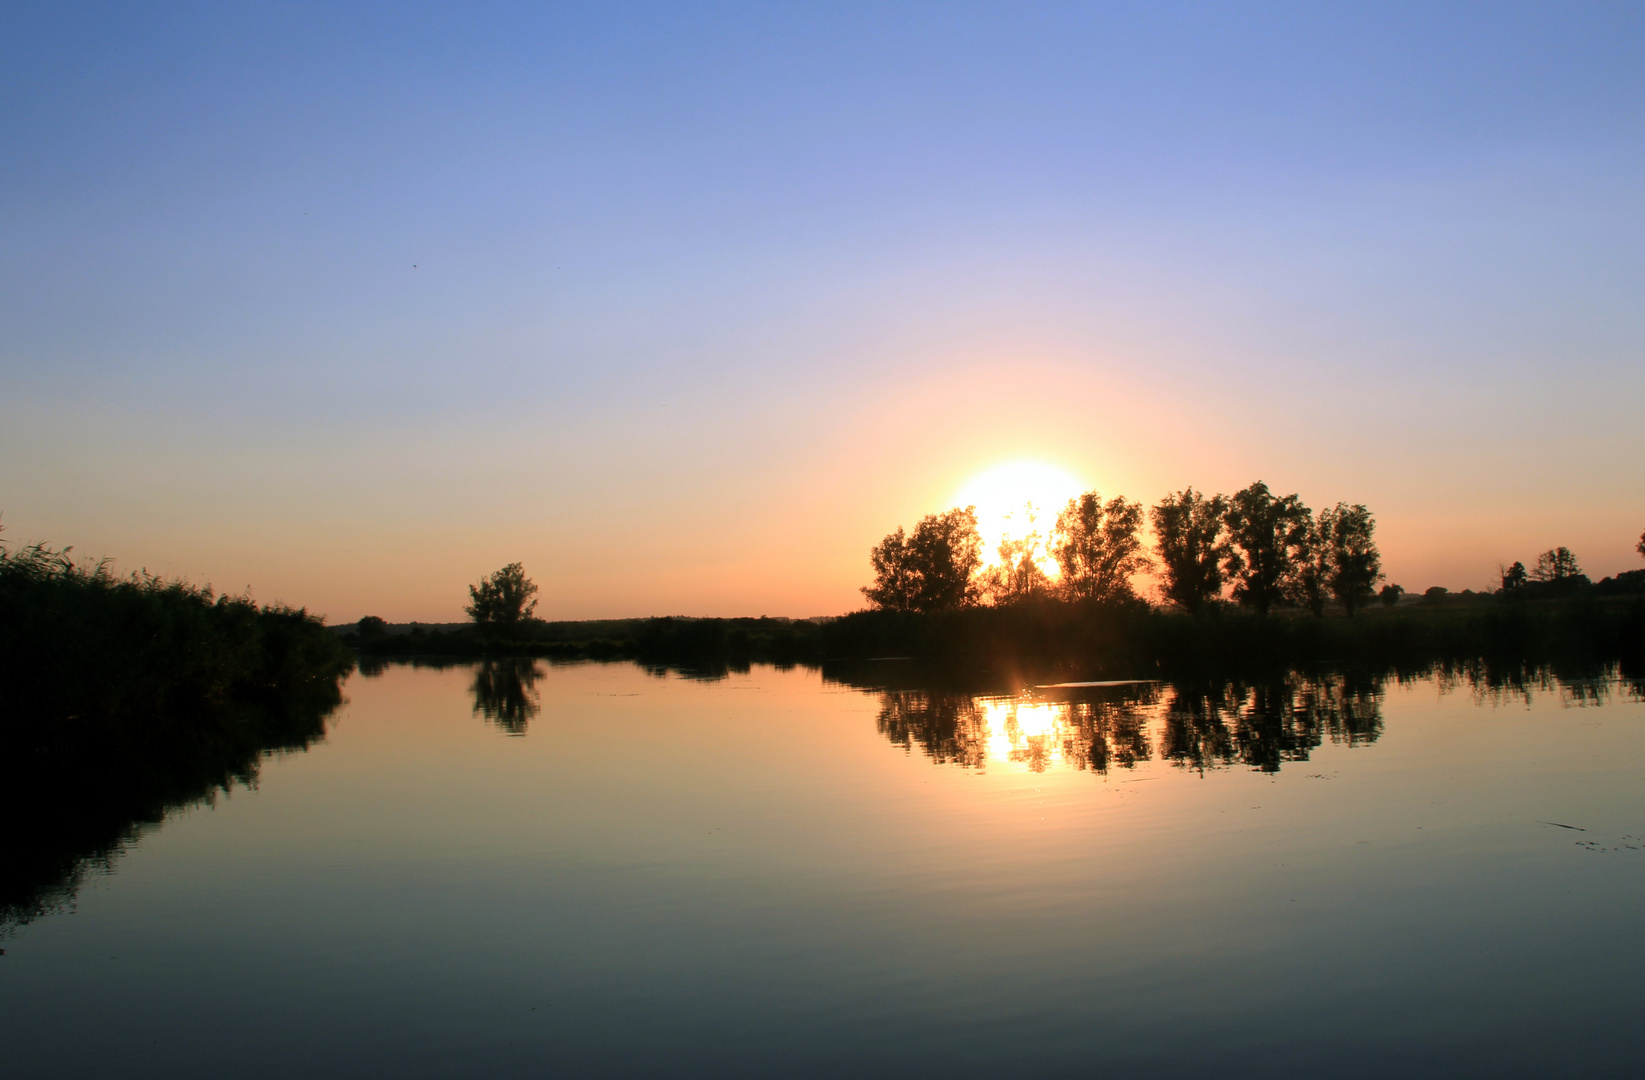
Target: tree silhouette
1556,565
895,587
1188,529
1097,547
1390,594
502,601
1355,564
1514,578
1269,538
1017,576
931,569
1311,575
1640,547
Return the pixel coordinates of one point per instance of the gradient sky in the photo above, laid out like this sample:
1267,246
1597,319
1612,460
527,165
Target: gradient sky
686,306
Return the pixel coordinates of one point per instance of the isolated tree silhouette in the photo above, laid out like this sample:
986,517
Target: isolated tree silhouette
1640,547
1097,547
930,569
1269,538
1188,533
502,601
1514,578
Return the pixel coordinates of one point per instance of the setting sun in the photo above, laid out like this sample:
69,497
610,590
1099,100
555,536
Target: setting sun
1016,498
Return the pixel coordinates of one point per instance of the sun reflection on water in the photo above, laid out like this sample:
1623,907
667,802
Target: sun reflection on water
1098,727
1025,732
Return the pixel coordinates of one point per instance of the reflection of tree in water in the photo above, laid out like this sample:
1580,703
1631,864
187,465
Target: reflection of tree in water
74,797
1097,733
505,692
1261,724
949,728
1269,723
1103,734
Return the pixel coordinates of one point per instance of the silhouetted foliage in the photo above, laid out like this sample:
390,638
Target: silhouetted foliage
78,642
1354,566
1627,583
1269,539
1017,577
370,627
502,602
1433,594
930,570
1515,578
1557,566
1640,547
1189,532
894,588
1311,574
1097,547
125,698
1390,594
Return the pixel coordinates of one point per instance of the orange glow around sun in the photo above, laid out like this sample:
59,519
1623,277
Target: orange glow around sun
1015,499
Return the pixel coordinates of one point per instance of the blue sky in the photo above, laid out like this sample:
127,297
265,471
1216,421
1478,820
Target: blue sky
687,305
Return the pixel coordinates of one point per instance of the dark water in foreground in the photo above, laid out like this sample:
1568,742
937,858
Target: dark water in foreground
614,873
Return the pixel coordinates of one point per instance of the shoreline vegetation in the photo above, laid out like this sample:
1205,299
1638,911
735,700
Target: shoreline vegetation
151,695
159,695
80,646
1252,580
1118,640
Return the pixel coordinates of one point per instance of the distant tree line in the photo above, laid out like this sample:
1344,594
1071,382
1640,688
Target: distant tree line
1271,550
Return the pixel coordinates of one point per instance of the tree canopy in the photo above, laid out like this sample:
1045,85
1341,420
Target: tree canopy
931,569
1273,550
1097,547
1017,575
1270,537
1189,530
1354,565
503,600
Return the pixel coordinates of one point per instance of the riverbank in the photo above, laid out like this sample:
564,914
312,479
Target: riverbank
154,694
81,648
1096,640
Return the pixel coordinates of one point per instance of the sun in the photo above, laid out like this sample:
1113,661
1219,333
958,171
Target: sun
1007,496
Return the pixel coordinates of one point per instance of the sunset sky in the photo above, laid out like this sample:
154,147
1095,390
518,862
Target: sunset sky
685,306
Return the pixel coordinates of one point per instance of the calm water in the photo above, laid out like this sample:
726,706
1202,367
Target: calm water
615,873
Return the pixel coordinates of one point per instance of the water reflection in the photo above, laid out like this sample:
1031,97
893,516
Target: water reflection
74,797
1261,723
1265,725
1094,728
505,692
1098,728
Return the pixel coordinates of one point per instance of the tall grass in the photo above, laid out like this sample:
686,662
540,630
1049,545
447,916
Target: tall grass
124,698
80,644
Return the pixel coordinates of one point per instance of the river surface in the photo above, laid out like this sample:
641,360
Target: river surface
593,870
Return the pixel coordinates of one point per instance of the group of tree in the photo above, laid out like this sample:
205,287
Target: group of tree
1556,572
1271,549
